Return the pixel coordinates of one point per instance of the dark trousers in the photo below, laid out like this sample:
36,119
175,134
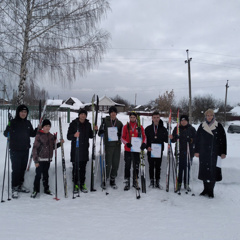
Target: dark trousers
183,170
19,160
112,160
131,158
41,170
154,164
81,173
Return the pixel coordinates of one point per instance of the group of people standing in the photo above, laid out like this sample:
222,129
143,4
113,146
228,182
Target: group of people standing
208,143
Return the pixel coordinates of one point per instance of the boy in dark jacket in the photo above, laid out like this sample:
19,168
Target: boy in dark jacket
43,148
156,133
112,146
20,130
186,138
80,128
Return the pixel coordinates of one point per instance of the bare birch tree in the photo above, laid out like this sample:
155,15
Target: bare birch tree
59,36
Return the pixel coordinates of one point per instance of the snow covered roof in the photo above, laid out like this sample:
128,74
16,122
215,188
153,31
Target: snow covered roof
52,102
73,103
106,101
137,106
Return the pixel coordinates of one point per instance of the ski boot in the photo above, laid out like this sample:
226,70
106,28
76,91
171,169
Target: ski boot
127,184
22,189
48,192
157,184
151,183
113,184
15,192
83,188
34,194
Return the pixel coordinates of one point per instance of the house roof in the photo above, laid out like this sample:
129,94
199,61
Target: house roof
106,101
77,104
52,102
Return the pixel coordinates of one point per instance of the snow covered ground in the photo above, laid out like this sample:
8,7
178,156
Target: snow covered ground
119,215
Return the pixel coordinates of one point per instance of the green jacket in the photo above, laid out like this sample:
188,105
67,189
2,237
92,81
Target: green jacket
106,123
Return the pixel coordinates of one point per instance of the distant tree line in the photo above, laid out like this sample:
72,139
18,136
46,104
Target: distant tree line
163,103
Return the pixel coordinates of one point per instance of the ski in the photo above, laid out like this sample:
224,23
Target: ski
7,161
63,160
56,189
94,123
142,159
178,188
102,160
169,151
40,122
76,188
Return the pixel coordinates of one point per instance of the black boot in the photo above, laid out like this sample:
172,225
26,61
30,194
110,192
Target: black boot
127,184
157,184
113,184
151,183
205,190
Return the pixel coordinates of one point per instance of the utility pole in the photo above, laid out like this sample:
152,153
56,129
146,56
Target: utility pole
189,85
225,103
135,99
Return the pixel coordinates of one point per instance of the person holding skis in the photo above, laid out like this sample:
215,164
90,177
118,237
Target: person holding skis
210,148
156,135
20,130
43,148
186,139
80,128
130,134
111,127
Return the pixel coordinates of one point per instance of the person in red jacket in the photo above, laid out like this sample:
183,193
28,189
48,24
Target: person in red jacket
131,153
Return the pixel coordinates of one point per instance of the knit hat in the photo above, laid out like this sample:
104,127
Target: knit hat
82,111
184,117
46,122
21,108
133,113
112,109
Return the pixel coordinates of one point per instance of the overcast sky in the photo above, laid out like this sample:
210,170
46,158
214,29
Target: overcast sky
147,53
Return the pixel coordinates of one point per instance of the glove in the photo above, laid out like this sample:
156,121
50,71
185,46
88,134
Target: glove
129,145
101,131
143,146
177,137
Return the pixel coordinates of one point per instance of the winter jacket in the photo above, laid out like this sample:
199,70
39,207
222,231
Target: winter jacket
43,147
134,132
210,143
186,134
104,127
86,132
20,131
162,135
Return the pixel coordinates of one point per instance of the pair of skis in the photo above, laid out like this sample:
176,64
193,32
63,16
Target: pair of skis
95,107
102,160
142,160
170,158
7,161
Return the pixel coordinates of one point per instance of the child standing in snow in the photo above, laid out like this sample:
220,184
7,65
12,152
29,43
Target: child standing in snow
42,155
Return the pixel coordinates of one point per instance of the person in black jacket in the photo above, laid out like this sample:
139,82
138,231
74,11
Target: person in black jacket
210,147
186,138
20,130
80,127
156,133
